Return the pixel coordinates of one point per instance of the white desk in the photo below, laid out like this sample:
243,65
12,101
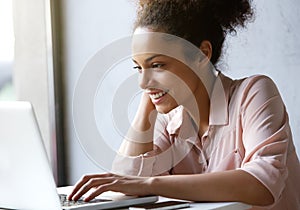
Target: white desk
212,205
220,206
215,205
201,205
208,206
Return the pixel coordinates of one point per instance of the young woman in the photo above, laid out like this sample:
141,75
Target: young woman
214,138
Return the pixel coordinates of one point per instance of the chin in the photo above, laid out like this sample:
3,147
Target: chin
165,109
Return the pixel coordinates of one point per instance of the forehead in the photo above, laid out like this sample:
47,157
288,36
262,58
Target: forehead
147,42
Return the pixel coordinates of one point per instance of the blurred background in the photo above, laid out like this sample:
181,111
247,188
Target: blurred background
6,50
45,45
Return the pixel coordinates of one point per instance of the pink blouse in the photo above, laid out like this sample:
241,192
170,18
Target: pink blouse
248,130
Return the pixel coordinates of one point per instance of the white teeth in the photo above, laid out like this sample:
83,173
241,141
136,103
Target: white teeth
158,95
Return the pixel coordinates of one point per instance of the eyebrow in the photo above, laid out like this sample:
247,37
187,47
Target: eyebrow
150,58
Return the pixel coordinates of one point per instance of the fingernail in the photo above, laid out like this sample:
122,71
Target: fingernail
87,199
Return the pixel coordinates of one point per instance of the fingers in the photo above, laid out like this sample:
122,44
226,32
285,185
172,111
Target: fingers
98,191
146,103
88,182
79,184
108,182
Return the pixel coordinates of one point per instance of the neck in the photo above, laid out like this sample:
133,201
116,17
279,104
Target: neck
199,108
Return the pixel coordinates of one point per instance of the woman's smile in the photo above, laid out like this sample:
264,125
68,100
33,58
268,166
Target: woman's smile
157,96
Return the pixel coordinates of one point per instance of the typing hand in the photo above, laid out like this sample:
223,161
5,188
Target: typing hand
100,183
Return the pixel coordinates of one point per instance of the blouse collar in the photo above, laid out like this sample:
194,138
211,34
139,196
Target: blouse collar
219,98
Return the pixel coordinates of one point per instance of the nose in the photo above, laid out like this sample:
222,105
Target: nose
145,78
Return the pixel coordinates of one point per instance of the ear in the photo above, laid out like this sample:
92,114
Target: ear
206,48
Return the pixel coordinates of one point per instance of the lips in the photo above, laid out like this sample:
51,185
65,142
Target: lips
157,95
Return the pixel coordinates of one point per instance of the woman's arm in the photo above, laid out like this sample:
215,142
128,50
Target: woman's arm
235,185
139,138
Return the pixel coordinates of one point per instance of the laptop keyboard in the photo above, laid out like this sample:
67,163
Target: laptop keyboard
65,202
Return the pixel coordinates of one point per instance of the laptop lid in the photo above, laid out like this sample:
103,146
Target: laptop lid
26,180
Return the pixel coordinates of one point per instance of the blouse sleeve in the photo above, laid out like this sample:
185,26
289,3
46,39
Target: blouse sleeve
266,134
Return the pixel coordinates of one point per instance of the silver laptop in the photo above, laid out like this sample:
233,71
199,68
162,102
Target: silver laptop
26,180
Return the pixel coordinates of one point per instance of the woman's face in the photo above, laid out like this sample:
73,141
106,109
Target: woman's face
167,81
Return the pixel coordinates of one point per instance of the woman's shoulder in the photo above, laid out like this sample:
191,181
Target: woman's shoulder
256,84
254,79
258,77
255,89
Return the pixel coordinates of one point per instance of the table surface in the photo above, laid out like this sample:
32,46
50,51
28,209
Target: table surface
193,205
208,206
214,205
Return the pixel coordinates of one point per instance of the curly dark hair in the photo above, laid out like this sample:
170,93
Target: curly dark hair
195,20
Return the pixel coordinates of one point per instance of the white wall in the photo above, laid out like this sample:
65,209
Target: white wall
269,46
88,26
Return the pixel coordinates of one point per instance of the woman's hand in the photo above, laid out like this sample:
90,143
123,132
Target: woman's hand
96,184
139,138
145,115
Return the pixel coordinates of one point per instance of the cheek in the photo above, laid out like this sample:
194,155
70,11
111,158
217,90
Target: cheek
180,91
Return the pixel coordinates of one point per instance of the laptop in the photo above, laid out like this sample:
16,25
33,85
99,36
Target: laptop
26,179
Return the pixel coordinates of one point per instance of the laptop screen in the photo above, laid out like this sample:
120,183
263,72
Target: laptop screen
26,177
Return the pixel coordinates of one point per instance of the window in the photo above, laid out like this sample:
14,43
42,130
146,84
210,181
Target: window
6,50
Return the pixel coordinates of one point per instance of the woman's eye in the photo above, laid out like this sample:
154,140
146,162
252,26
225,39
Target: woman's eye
157,65
138,68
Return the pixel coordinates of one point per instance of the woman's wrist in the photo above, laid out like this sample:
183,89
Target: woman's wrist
151,183
144,120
